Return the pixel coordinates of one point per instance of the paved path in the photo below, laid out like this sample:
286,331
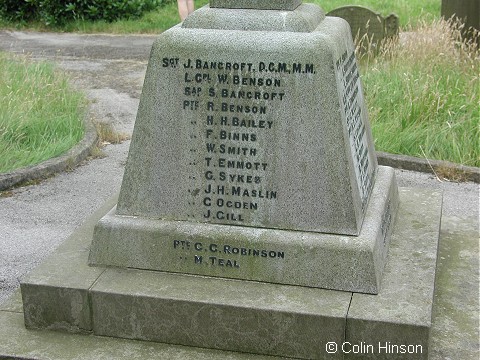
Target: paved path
35,219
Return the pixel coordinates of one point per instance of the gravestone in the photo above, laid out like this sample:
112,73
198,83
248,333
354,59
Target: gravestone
467,11
368,27
253,216
248,150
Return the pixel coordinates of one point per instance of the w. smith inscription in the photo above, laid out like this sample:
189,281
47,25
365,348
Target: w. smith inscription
213,254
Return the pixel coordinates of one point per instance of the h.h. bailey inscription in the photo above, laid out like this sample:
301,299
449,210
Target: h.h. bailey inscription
252,155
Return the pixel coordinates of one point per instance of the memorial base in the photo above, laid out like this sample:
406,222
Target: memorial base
64,293
328,261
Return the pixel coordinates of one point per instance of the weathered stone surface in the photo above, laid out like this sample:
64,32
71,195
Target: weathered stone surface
292,152
57,299
16,342
219,313
455,332
56,293
351,263
256,4
467,11
404,296
305,18
398,320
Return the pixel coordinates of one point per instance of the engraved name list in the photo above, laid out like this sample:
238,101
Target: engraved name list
226,105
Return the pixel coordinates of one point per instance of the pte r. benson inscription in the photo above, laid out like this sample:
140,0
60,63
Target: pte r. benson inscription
225,150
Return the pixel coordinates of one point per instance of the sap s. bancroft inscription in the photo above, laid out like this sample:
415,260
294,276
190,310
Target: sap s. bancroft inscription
252,155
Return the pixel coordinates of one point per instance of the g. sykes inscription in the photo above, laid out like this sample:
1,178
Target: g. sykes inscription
213,254
230,169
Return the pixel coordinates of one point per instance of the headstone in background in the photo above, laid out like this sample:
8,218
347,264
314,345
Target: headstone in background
368,28
468,11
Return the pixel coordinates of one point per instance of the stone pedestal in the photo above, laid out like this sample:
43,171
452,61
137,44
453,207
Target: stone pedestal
253,216
252,156
66,294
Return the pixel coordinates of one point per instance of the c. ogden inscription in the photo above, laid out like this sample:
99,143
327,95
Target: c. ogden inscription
213,254
227,105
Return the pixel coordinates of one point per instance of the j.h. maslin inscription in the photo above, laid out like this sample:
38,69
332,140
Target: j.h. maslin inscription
221,255
227,104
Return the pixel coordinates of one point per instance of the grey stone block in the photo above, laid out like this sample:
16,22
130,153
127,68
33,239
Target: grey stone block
17,342
256,4
56,294
304,19
218,313
294,191
350,263
151,305
397,321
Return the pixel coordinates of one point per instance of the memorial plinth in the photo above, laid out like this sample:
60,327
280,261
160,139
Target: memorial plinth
252,157
253,216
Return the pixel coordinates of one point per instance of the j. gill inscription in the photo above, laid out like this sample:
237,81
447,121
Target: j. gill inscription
227,106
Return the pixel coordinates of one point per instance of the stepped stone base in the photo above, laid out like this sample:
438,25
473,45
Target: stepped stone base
328,261
64,293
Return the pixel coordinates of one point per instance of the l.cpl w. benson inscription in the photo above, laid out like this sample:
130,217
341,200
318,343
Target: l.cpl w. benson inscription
212,254
225,151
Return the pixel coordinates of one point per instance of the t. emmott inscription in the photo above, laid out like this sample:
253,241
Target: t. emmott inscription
227,105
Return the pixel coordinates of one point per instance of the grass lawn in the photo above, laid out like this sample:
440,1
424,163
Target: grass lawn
40,115
423,95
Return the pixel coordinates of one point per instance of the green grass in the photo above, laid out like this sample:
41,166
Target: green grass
409,12
41,116
423,96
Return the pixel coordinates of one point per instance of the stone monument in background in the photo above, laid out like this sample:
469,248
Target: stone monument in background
467,11
369,28
253,216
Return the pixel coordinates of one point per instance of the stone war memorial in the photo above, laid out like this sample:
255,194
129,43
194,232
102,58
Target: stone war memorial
253,216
